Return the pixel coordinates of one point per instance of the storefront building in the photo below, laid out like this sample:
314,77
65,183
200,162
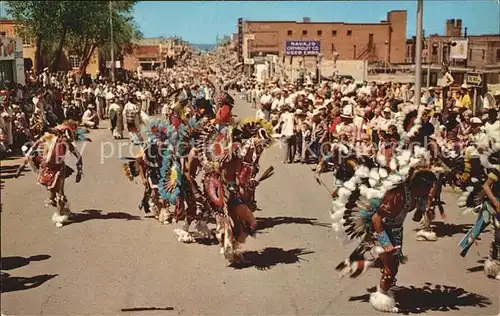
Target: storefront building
11,60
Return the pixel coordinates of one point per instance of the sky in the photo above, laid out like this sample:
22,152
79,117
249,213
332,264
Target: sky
200,22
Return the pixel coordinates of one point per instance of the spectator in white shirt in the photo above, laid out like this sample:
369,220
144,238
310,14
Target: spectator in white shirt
287,123
262,113
492,125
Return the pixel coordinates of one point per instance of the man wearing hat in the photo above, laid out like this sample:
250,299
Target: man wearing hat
115,114
90,118
131,115
492,125
347,129
288,125
465,100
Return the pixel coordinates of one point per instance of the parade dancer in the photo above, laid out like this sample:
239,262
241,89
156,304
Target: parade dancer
372,205
255,138
148,166
134,118
47,156
482,197
221,163
417,132
115,114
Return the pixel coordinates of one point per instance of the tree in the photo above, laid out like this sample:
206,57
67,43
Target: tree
78,26
94,31
36,20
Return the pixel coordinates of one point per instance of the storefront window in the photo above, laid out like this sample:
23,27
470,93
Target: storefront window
6,71
74,61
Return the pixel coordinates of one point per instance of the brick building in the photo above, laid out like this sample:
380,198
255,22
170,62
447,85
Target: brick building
67,62
151,53
483,51
383,41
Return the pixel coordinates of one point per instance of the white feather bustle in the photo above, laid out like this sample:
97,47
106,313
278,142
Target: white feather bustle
395,179
372,182
387,184
374,174
404,171
363,189
414,162
343,193
351,184
362,172
336,227
485,162
381,160
343,149
337,204
383,173
393,164
337,216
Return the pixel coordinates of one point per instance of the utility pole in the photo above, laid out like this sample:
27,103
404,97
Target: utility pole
418,53
112,41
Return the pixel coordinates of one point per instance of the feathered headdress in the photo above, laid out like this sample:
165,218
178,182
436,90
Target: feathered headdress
72,131
255,127
356,198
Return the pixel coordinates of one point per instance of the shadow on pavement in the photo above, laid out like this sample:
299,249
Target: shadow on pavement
10,263
442,298
477,268
143,309
11,156
448,230
87,215
9,172
270,222
269,257
14,283
11,283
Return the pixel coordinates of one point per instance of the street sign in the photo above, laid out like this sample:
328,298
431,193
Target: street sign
474,79
250,36
249,61
302,48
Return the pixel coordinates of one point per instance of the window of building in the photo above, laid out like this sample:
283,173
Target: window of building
304,32
320,32
349,32
498,54
434,50
74,61
27,41
3,34
334,33
289,32
484,54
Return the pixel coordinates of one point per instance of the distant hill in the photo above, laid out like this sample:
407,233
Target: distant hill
204,47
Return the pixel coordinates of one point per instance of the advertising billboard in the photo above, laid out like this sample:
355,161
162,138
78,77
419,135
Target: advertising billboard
302,48
459,50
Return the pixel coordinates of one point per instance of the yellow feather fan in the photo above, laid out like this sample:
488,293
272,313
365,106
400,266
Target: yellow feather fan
259,122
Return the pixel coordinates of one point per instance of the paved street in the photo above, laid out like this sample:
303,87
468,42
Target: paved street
112,260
